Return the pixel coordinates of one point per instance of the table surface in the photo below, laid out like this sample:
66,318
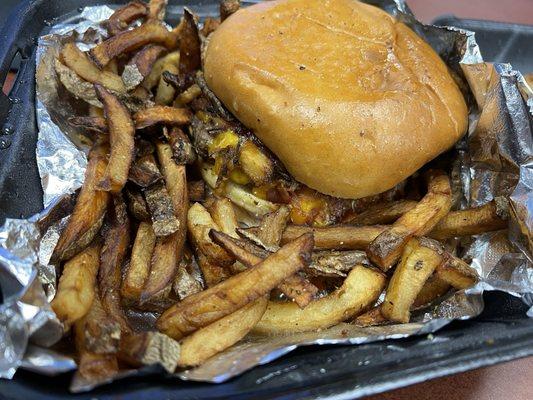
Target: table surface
512,380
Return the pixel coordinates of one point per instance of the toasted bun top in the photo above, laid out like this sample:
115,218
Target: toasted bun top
350,100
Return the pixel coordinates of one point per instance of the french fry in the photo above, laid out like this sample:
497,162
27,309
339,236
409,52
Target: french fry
149,348
212,339
168,251
210,25
190,45
387,248
199,223
294,287
372,317
161,65
75,85
79,62
223,215
157,9
121,133
185,283
161,115
137,205
139,266
127,41
269,233
95,124
202,309
457,273
164,220
101,331
76,288
256,164
182,150
473,221
124,16
184,98
228,7
144,171
434,288
140,66
196,190
338,237
239,195
90,208
166,92
359,291
116,242
213,273
383,213
419,259
336,264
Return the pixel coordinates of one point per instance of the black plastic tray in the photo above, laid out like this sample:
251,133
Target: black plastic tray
501,333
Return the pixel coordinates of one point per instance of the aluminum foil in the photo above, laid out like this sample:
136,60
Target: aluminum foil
495,159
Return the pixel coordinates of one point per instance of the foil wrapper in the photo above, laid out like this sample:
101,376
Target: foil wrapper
495,159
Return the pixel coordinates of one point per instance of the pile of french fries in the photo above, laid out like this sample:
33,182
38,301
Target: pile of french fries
186,216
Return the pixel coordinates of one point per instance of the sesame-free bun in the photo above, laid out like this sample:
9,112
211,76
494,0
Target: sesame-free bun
350,100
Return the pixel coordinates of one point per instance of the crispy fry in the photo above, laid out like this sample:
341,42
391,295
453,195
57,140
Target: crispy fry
144,171
165,91
473,221
386,249
161,115
268,234
196,191
210,25
213,273
182,150
159,67
256,164
433,288
157,9
101,331
126,41
212,339
228,7
137,205
140,66
96,124
199,222
164,221
191,93
203,308
419,259
89,211
121,133
149,348
383,213
223,214
239,195
168,251
75,85
190,45
116,243
185,282
339,237
359,291
76,289
78,61
457,273
294,287
139,266
124,16
372,317
336,264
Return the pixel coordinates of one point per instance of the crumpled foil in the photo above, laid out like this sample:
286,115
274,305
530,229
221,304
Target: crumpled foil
495,159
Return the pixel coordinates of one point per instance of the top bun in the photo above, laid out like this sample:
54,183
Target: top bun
350,100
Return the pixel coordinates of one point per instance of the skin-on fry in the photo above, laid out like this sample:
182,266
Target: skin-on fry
190,45
139,266
137,205
473,221
336,264
268,234
140,66
161,65
121,133
419,259
457,273
144,171
149,348
228,7
168,251
182,150
185,282
76,289
294,287
166,92
78,61
199,223
359,291
213,273
75,85
157,9
101,332
196,191
204,308
434,288
191,93
212,339
124,16
387,248
164,220
382,213
339,237
126,41
90,208
223,214
256,164
116,243
96,124
161,115
372,317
